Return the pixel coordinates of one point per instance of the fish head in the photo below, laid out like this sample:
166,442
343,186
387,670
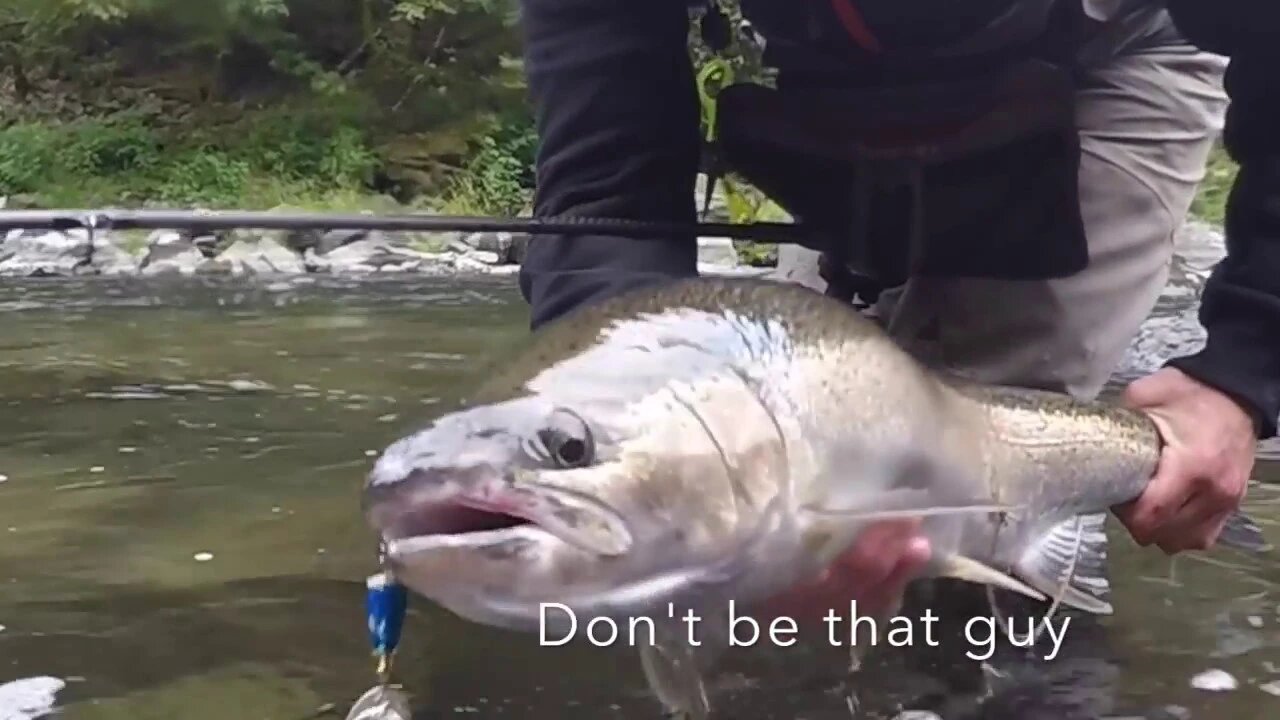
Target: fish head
629,460
509,504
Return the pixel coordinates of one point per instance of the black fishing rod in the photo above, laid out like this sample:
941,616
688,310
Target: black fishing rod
210,220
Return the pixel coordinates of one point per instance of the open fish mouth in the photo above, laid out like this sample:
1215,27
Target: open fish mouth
494,511
455,523
454,517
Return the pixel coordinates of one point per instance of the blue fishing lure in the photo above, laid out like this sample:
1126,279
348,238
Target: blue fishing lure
385,602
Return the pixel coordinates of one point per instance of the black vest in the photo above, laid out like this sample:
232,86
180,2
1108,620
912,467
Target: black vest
928,137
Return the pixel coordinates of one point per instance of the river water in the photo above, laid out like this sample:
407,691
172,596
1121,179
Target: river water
180,536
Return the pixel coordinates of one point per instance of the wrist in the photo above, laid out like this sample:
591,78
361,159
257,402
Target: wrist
1249,413
1206,372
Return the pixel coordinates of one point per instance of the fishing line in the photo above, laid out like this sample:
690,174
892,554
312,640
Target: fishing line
1034,636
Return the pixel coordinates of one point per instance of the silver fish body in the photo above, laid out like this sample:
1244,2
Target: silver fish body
724,439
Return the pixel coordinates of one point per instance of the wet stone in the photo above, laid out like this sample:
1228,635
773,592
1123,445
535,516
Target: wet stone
263,256
501,244
1214,681
334,239
367,256
29,698
110,259
719,252
45,254
170,252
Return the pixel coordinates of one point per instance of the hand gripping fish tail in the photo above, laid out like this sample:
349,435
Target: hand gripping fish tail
385,604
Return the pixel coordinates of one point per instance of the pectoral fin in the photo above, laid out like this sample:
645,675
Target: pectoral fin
675,669
969,570
1070,562
675,680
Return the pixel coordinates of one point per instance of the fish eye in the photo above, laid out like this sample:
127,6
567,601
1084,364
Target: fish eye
568,440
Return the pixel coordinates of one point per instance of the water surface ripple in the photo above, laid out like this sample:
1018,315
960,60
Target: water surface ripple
179,529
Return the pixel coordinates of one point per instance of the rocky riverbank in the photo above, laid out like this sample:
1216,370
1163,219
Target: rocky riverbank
246,252
75,253
71,253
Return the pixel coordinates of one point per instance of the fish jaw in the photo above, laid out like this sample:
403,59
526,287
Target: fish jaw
502,578
468,513
527,579
482,505
493,568
483,547
489,467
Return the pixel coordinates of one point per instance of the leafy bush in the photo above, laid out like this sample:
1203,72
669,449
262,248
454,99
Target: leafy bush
124,158
1220,174
35,155
237,101
499,177
25,154
251,103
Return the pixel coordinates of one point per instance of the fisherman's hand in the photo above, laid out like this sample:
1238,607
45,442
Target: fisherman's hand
1204,468
874,572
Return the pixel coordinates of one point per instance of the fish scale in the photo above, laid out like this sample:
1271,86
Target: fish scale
741,433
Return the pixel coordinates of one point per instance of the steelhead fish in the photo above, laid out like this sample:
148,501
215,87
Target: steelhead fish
684,445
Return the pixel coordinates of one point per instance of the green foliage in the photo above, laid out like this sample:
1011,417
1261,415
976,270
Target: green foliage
230,101
123,159
1211,201
499,177
747,204
32,155
256,103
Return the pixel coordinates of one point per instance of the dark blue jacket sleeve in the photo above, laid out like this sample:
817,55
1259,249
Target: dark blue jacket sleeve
617,113
1241,303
